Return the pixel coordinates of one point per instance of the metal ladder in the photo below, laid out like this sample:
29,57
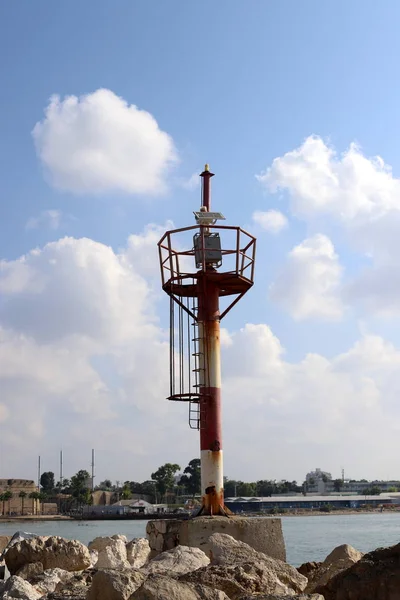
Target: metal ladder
194,405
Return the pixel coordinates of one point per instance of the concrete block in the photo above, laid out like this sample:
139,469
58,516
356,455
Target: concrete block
263,534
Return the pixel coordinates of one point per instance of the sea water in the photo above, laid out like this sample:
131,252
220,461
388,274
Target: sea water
306,538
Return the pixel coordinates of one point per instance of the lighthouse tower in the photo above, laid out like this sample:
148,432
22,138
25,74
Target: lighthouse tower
205,269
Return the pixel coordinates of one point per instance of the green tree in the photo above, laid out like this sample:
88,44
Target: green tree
265,487
79,487
47,482
105,485
191,478
164,477
337,485
372,491
146,488
230,486
22,495
126,491
6,498
246,489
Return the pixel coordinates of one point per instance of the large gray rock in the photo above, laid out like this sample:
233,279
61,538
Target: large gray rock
375,576
119,536
16,587
112,553
239,579
50,580
225,550
30,570
53,552
160,587
138,552
177,561
340,559
74,588
115,585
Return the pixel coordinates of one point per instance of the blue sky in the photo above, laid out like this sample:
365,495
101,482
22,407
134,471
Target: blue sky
236,85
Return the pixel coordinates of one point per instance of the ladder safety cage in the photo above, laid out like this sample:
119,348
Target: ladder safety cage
182,272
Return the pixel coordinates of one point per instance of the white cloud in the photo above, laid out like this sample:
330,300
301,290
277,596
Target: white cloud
349,186
99,143
142,250
309,283
362,196
49,218
272,221
191,183
314,407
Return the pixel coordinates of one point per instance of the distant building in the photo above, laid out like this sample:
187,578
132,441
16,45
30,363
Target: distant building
16,503
318,481
141,507
260,505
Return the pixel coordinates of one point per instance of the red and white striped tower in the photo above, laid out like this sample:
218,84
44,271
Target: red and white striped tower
198,295
212,478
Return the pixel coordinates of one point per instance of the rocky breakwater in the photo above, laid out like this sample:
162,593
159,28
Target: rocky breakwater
114,568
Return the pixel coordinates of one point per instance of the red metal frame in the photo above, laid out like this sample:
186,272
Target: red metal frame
238,281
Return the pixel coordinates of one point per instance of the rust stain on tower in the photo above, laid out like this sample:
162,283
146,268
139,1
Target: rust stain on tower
201,266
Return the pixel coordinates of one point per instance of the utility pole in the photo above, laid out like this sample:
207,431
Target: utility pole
92,465
38,481
61,469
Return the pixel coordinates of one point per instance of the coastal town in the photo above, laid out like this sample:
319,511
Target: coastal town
171,492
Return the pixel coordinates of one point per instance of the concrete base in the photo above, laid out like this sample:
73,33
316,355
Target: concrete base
263,534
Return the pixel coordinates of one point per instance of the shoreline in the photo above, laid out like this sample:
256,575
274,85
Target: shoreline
319,513
314,513
31,518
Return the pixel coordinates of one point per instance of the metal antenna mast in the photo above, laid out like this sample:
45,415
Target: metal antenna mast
61,469
92,465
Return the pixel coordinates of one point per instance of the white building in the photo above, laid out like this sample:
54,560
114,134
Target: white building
318,481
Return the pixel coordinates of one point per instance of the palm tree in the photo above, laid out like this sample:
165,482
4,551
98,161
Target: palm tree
41,497
22,495
7,497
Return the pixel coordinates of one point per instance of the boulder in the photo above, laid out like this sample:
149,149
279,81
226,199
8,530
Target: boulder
225,550
307,568
16,587
375,576
112,553
115,585
53,552
138,552
179,560
338,560
30,570
118,536
240,579
76,587
161,587
94,557
50,579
